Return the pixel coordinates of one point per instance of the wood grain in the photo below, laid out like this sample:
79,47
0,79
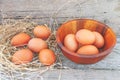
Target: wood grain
64,10
83,75
54,13
72,74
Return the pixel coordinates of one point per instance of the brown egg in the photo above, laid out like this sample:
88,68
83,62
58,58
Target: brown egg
99,42
37,44
42,32
85,37
47,57
88,50
20,39
70,42
22,56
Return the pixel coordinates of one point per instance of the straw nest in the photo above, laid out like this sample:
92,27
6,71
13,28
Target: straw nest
33,69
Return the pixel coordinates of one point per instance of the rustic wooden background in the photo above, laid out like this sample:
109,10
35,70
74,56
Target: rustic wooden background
51,11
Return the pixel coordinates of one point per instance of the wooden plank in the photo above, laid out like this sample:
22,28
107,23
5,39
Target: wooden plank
51,5
83,75
70,74
71,9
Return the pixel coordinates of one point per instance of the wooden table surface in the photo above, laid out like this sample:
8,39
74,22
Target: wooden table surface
50,11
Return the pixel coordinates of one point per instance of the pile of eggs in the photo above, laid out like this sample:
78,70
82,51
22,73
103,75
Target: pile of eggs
36,45
84,42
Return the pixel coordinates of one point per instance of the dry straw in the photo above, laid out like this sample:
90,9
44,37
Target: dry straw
34,69
14,72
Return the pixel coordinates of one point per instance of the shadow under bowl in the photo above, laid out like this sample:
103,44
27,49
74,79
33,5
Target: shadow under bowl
73,26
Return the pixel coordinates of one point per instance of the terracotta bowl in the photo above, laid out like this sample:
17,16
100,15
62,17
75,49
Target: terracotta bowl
73,26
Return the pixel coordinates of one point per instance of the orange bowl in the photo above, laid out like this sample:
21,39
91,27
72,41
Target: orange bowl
73,26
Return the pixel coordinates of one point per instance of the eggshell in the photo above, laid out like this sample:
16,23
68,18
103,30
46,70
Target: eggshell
42,32
47,57
22,56
20,39
37,44
85,37
99,42
88,50
70,42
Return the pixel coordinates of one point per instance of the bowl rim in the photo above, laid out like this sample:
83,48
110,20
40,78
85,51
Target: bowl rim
82,55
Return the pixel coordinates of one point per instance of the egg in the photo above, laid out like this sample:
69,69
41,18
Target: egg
37,44
99,42
88,50
42,32
47,57
20,39
70,42
22,56
85,37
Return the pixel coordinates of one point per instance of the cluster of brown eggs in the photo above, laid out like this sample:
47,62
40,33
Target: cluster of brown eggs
34,45
84,42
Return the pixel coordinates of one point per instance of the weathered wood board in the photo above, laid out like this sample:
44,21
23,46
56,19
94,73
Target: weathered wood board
82,75
72,74
52,11
107,11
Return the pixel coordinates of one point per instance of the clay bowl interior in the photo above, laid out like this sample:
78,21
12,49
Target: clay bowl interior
73,26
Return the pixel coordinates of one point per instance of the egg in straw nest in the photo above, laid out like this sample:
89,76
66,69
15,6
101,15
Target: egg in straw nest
25,48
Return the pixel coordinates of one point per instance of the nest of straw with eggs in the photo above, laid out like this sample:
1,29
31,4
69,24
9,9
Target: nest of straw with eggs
11,71
34,69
